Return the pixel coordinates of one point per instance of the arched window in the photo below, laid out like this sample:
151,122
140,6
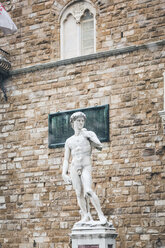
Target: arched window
77,30
87,33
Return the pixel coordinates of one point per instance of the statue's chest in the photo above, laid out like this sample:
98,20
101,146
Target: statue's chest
79,141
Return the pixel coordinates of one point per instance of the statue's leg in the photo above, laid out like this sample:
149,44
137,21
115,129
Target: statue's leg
87,199
77,185
87,186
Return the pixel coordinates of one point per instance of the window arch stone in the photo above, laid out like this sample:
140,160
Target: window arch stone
76,9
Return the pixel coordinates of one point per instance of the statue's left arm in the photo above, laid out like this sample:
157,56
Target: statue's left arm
92,137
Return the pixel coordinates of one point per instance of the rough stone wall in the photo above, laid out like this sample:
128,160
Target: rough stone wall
128,174
119,23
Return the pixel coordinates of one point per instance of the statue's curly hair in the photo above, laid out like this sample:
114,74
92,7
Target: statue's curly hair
76,115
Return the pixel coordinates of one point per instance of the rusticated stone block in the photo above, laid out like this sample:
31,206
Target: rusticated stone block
127,74
148,152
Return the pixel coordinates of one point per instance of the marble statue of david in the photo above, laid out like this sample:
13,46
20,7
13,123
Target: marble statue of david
79,148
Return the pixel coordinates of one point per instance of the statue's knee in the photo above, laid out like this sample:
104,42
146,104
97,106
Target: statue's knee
89,193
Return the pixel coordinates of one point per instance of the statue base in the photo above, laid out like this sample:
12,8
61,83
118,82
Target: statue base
93,234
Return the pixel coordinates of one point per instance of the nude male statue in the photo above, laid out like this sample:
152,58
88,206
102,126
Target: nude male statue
79,147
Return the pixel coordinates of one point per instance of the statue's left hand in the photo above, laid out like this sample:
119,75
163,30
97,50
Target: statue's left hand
91,136
86,134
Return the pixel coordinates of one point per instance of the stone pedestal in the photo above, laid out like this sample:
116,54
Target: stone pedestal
93,235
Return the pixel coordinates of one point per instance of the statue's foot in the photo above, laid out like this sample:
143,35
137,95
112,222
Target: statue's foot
103,219
85,219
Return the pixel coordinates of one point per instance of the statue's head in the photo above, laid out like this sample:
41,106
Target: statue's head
75,116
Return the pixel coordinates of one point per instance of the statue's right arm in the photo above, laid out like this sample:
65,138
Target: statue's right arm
66,164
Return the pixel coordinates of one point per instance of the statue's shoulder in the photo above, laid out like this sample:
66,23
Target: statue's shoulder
69,140
91,132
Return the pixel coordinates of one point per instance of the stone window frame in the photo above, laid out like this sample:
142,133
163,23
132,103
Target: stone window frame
76,9
162,113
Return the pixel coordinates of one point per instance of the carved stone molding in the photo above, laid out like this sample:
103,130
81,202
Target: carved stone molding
77,10
162,115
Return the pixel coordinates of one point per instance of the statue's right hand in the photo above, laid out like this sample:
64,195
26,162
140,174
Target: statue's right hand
66,179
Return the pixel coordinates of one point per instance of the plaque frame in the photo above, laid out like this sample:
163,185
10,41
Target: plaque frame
88,246
60,129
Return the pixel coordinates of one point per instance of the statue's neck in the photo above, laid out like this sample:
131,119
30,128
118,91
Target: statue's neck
77,132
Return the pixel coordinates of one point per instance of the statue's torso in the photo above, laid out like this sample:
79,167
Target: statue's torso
80,150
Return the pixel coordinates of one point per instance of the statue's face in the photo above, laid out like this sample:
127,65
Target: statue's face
79,123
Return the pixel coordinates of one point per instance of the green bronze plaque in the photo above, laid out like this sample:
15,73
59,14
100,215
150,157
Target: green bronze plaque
88,246
60,128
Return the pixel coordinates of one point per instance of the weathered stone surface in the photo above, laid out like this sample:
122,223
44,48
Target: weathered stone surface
119,24
129,173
